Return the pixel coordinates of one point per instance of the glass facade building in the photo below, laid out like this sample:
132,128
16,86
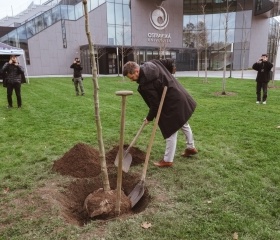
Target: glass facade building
205,31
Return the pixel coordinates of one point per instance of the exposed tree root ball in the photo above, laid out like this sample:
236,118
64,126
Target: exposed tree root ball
102,205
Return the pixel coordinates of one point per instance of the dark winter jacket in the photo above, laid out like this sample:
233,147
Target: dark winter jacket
263,69
178,104
12,73
77,70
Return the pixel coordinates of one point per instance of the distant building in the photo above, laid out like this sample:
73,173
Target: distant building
193,32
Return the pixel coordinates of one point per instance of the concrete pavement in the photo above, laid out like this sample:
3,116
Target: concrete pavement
247,74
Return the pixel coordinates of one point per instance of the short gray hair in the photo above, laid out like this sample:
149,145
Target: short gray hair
129,67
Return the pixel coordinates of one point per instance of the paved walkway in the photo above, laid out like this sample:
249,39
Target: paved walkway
247,74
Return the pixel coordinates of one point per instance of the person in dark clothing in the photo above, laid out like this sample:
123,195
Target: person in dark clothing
13,74
178,105
77,76
263,66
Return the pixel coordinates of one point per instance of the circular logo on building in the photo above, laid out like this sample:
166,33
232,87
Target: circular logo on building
159,18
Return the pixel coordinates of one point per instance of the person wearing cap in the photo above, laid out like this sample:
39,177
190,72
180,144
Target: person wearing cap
178,105
13,76
263,66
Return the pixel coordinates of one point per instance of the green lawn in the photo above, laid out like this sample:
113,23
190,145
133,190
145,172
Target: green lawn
232,185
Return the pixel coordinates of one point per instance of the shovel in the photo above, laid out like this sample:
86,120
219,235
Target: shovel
123,94
139,189
127,158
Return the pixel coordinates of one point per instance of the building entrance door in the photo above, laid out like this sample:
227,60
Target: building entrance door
112,62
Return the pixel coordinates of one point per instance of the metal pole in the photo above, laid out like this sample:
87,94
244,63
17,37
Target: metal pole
118,65
231,59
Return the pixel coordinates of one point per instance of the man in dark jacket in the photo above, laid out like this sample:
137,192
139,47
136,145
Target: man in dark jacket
178,105
77,76
263,66
13,73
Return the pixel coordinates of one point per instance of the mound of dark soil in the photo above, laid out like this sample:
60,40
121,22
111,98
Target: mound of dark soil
81,161
83,198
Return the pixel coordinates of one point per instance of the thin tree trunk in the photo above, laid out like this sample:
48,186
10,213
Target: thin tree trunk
105,177
198,62
225,66
206,65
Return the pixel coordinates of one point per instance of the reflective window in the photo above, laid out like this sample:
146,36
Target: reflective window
127,35
47,18
30,28
64,11
149,55
126,15
155,54
111,35
93,4
110,13
217,21
214,27
22,33
5,39
39,23
120,35
79,12
119,14
230,36
141,56
56,16
71,12
13,38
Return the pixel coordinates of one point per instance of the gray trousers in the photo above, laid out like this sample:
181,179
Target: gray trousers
171,142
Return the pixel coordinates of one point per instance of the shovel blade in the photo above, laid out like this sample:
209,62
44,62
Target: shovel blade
127,159
137,193
126,162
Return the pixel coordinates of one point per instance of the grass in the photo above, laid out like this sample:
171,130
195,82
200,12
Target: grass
232,185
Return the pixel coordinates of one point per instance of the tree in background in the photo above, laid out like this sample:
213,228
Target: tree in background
196,36
100,51
204,41
226,29
274,37
123,48
244,40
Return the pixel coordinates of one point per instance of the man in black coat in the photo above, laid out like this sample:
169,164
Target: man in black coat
13,78
178,105
263,66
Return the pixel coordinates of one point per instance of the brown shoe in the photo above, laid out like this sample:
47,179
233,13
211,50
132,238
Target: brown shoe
162,163
189,152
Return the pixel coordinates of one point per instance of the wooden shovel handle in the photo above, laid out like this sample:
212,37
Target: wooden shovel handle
123,94
153,134
136,137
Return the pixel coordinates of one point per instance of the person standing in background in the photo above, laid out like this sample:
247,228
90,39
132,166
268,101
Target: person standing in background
77,76
263,66
13,76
